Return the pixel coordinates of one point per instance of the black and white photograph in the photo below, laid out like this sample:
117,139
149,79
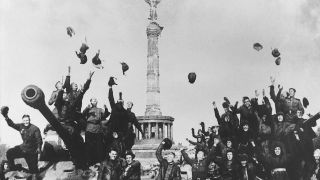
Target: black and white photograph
160,90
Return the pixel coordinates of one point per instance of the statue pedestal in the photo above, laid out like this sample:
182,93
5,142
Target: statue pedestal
156,128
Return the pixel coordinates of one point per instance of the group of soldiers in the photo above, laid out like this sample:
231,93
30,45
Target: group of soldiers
114,135
259,145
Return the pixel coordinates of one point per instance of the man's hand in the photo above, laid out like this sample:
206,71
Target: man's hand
4,111
202,124
187,139
272,80
69,70
89,106
192,129
214,104
256,92
91,74
280,87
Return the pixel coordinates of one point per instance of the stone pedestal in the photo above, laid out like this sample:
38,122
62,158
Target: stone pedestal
156,128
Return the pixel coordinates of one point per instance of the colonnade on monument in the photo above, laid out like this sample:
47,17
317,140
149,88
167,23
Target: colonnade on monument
155,130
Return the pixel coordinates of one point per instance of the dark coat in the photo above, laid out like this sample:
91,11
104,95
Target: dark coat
119,117
199,167
110,168
278,102
227,128
292,105
250,168
75,97
248,114
132,171
229,169
175,172
31,136
94,116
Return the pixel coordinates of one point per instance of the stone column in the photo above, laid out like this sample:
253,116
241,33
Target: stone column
135,131
157,131
169,131
149,130
165,130
153,88
140,135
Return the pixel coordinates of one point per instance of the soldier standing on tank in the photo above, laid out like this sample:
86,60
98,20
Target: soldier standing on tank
30,149
118,121
95,147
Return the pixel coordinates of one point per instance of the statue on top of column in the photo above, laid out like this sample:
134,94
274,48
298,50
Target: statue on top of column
153,9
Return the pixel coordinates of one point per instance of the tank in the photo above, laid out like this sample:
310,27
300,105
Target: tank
63,154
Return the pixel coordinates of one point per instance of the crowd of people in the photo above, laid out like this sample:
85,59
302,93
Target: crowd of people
258,145
249,143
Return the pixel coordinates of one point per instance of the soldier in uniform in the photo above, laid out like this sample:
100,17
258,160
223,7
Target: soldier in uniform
132,169
95,147
30,148
111,168
291,105
169,170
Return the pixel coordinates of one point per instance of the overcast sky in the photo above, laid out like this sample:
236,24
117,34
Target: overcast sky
212,38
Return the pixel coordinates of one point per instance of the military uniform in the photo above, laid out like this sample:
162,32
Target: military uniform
32,142
291,106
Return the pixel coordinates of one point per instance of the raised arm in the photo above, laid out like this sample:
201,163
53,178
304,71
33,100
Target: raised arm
272,92
111,98
87,83
203,129
311,122
53,98
216,112
4,112
279,93
67,84
137,124
12,124
106,112
267,104
159,152
186,157
192,142
193,134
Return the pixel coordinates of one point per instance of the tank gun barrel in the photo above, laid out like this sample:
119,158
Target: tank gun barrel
34,97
